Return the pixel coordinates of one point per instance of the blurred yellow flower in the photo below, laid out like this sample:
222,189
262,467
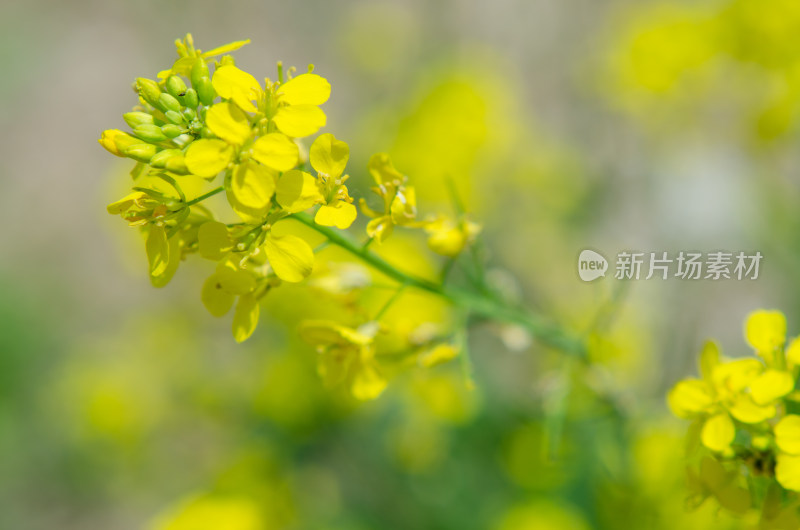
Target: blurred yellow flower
346,355
745,390
212,513
448,237
399,200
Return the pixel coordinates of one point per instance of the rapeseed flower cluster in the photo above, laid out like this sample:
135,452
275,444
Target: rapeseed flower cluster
746,417
205,122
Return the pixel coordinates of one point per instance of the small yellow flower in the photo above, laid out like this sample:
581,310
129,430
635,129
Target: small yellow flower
347,355
293,106
399,200
448,237
329,157
787,439
741,389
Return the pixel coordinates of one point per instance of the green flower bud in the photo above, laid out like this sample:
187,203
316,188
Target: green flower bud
206,92
175,86
160,159
149,90
189,114
189,99
205,132
140,152
169,103
150,133
171,130
135,119
174,117
177,164
199,71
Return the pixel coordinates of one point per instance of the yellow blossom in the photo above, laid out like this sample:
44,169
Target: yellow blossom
347,356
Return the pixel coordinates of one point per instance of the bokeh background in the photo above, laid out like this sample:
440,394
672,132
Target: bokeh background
567,124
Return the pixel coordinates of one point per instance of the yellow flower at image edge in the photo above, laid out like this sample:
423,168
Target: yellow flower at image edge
346,355
787,439
743,390
765,331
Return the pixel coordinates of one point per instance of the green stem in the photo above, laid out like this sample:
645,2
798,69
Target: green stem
389,302
205,196
479,305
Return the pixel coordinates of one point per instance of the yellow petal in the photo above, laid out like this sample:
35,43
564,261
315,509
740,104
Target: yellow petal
225,48
245,318
380,228
735,376
404,206
771,385
709,358
182,66
217,300
367,383
277,151
234,281
160,280
213,240
228,122
157,248
125,203
297,191
289,256
765,330
207,157
329,156
237,85
449,242
438,355
689,398
299,121
253,186
107,140
745,410
382,170
793,353
718,432
787,471
326,333
341,215
247,214
787,434
305,89
333,365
